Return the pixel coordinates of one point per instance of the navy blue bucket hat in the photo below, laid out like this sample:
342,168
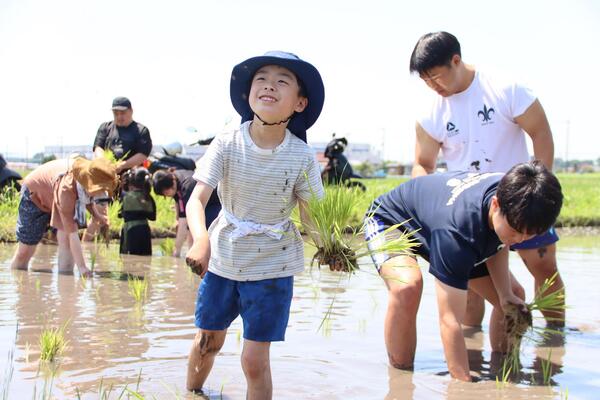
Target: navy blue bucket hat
309,77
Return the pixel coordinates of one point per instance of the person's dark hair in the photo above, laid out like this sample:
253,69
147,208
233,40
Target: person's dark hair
433,50
138,178
530,197
162,180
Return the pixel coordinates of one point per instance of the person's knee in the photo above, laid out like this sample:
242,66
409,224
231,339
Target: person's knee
406,295
254,365
207,344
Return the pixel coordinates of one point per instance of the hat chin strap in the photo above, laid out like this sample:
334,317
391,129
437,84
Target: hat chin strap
265,123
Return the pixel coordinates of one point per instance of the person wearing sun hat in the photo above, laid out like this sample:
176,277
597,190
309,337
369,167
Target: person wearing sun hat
57,194
251,252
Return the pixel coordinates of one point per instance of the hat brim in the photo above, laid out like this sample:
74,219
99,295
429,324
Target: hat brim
241,79
120,108
82,173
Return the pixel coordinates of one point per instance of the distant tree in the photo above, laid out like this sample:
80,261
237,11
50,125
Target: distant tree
47,158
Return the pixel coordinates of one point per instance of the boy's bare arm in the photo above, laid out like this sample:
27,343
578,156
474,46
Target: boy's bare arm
198,255
498,269
452,304
180,236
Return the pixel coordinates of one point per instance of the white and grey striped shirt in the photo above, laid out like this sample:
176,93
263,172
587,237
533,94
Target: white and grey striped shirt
259,186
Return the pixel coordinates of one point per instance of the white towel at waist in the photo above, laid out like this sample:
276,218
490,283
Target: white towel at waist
244,228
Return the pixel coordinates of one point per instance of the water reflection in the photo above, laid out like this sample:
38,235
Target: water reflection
334,344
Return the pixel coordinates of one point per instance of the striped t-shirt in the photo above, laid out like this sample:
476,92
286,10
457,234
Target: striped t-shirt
261,186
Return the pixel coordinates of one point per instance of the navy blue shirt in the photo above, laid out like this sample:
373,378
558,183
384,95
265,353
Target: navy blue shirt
449,213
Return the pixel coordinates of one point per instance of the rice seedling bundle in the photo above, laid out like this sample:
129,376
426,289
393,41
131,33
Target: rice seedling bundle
519,324
339,244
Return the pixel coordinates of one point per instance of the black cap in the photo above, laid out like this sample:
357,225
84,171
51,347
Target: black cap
121,103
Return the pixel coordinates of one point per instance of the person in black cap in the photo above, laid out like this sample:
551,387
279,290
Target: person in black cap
128,140
251,252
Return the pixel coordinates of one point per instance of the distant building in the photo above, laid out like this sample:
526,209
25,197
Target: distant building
356,153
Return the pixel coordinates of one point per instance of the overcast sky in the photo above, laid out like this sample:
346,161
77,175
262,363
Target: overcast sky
62,62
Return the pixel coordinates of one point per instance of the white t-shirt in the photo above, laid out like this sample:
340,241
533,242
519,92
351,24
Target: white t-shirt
258,186
477,128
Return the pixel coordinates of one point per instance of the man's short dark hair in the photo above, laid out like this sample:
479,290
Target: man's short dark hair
432,50
530,197
162,180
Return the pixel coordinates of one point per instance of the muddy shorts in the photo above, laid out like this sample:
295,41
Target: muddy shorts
264,306
32,222
545,239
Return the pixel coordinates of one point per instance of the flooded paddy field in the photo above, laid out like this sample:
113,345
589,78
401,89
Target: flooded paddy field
115,340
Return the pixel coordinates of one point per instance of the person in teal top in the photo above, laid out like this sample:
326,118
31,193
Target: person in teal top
137,208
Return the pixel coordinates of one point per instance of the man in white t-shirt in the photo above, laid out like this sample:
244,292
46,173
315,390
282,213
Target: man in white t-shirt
479,124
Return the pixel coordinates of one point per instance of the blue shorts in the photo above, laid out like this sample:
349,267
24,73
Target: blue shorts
264,306
545,239
32,222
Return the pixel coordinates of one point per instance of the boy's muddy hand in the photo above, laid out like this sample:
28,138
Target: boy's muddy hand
197,257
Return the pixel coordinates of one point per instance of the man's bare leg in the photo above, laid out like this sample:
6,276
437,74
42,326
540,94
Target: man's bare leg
541,263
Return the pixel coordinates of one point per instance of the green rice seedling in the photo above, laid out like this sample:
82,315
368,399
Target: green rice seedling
519,324
564,395
547,369
52,342
167,246
339,244
506,371
138,288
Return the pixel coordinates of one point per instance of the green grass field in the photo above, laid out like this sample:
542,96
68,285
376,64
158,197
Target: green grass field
581,206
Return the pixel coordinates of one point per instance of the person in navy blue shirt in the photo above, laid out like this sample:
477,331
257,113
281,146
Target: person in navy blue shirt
463,223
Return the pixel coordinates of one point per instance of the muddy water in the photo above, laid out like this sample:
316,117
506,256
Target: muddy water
113,341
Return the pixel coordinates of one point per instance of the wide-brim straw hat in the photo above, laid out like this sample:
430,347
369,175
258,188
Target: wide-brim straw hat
310,79
96,175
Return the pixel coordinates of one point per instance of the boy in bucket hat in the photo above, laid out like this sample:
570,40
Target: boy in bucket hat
58,193
251,252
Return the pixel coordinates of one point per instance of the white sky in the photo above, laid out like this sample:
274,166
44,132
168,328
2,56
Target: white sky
63,61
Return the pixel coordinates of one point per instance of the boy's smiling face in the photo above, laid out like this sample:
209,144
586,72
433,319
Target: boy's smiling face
275,94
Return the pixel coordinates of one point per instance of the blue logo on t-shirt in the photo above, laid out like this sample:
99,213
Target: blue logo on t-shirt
451,130
486,114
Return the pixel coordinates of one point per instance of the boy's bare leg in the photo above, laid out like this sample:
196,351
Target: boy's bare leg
202,356
65,258
404,281
475,309
257,368
542,265
22,256
485,288
452,304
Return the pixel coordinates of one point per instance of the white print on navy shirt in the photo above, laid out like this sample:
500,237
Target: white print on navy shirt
460,185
